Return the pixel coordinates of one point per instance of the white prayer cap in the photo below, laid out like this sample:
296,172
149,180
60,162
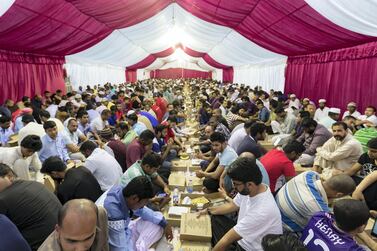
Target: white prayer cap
77,96
101,93
306,99
292,95
322,100
130,112
352,104
334,110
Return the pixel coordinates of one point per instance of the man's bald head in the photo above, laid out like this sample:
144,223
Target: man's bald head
77,224
247,155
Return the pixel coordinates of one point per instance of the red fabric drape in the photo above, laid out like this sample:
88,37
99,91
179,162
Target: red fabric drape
339,76
25,75
288,27
131,76
176,73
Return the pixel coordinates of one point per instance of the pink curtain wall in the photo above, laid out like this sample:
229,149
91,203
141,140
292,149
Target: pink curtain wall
131,76
339,76
27,75
227,70
176,73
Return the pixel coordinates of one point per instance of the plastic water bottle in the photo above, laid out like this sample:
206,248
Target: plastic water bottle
190,187
175,196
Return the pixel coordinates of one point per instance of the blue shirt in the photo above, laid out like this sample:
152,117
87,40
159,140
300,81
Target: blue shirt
10,237
4,135
264,114
157,145
119,216
139,128
18,124
53,148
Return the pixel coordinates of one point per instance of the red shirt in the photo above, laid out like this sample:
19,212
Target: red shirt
276,164
135,152
158,112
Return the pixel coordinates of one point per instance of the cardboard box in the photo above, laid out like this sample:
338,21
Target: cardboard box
268,145
177,180
179,165
195,229
174,221
212,197
195,246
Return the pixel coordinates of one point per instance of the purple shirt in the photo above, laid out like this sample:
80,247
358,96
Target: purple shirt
321,235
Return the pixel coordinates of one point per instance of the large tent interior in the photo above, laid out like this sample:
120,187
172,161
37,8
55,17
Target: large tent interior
310,49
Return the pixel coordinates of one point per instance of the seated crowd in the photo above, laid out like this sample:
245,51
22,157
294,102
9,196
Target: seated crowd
121,140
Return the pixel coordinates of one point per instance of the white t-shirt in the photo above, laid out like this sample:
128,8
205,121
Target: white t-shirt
98,124
372,118
257,217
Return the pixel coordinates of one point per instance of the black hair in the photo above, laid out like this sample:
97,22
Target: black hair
218,137
259,102
372,143
132,117
146,135
27,118
304,114
257,128
53,164
88,145
282,242
350,214
32,142
81,114
44,113
152,159
122,126
25,98
140,186
274,104
249,123
159,128
172,119
4,119
49,124
279,109
245,169
308,122
6,170
294,146
340,123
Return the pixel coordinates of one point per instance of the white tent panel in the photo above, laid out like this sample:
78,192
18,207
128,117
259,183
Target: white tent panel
269,76
355,15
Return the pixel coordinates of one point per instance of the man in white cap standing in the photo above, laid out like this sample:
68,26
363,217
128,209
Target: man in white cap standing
331,118
322,111
294,101
351,111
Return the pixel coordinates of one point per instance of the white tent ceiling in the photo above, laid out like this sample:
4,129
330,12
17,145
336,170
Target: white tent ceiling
171,26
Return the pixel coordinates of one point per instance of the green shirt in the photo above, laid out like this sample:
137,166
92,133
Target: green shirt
364,135
134,171
130,135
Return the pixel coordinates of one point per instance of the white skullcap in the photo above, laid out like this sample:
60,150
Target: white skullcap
352,104
322,100
334,110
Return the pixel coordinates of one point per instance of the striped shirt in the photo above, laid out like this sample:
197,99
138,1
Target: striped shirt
134,171
299,199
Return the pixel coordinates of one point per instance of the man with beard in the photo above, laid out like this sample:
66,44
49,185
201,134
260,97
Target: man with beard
322,111
341,151
258,214
225,155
